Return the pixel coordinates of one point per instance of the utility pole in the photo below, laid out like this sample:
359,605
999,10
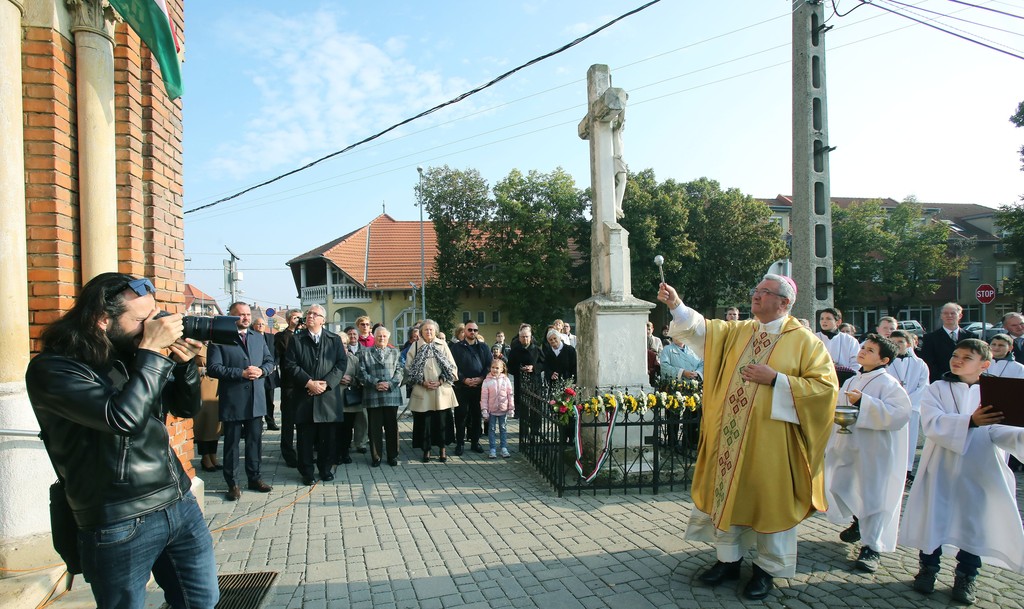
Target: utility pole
811,215
232,276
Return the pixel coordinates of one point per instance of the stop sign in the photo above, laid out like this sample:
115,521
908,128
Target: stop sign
985,293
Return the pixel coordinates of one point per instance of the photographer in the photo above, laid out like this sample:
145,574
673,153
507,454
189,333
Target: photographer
109,374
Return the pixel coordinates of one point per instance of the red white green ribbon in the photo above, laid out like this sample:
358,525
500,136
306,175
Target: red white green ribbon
610,415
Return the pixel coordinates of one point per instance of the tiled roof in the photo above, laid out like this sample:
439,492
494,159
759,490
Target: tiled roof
192,293
384,254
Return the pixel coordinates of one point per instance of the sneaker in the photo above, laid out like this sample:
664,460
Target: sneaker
867,560
505,454
492,455
964,588
924,581
852,533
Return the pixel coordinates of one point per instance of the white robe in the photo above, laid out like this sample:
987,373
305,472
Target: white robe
912,373
1006,368
864,470
843,348
965,494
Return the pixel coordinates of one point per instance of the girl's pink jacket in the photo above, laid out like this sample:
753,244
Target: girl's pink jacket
496,396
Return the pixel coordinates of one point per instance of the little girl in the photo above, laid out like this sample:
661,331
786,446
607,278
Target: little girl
496,403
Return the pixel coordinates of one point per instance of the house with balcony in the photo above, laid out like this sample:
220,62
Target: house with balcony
198,302
989,263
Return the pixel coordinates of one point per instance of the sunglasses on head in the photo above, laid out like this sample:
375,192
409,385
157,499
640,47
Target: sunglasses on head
141,287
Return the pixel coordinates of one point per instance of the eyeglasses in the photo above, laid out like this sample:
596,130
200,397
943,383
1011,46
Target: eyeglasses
313,314
364,323
141,287
471,329
764,292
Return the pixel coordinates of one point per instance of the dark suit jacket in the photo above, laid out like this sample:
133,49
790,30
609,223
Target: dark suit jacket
326,361
936,349
1018,351
281,341
240,399
564,363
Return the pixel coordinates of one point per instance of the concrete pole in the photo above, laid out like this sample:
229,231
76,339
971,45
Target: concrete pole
24,469
93,30
812,208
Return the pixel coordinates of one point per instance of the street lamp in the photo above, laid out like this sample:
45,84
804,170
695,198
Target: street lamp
423,250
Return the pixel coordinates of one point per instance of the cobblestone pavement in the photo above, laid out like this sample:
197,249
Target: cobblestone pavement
487,533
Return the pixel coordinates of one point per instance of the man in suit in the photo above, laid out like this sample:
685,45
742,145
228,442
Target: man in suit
316,363
1014,325
281,341
939,345
242,369
260,326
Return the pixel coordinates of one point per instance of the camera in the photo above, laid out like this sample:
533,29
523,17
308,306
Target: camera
219,329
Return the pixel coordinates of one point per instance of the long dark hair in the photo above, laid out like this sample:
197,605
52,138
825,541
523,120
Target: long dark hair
77,333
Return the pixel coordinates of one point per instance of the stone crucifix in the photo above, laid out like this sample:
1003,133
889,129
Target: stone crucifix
602,127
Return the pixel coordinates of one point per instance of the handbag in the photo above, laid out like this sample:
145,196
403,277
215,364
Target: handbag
63,528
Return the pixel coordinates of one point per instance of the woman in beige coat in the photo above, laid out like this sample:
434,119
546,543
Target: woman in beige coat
206,425
430,369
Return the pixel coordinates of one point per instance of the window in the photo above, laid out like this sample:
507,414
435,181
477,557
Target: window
346,317
467,316
974,270
1004,271
481,317
495,317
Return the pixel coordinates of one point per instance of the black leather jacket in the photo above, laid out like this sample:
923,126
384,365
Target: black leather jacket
105,434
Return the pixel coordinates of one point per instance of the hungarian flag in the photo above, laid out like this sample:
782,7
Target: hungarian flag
151,22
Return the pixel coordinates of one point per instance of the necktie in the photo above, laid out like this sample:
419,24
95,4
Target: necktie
953,335
243,337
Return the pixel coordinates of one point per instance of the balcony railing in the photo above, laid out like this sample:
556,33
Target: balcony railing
312,295
349,293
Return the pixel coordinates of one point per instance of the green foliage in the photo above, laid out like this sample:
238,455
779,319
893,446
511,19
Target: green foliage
537,225
897,254
1010,219
1018,120
655,216
457,202
736,241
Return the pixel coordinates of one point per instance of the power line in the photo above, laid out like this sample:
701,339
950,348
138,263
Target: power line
945,31
450,102
917,10
985,8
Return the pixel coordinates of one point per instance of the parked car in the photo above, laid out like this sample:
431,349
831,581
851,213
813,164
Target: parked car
911,326
990,329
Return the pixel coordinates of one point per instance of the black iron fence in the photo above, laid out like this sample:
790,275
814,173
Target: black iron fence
651,451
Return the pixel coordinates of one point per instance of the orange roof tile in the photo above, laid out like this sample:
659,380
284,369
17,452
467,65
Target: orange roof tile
384,254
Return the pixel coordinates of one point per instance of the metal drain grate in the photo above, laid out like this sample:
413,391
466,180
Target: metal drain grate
244,590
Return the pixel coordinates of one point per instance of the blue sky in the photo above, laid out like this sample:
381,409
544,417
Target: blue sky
271,86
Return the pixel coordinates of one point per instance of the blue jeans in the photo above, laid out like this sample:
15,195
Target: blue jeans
173,543
497,420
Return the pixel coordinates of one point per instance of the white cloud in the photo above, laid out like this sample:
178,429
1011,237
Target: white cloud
320,89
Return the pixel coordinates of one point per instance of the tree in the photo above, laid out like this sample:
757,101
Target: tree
655,216
1010,219
458,203
533,244
736,241
1018,120
898,255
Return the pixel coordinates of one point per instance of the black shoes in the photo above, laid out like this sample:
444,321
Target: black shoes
375,463
426,456
271,425
443,458
361,450
393,462
759,586
852,533
867,560
477,448
327,476
721,571
964,588
924,581
458,450
344,459
307,481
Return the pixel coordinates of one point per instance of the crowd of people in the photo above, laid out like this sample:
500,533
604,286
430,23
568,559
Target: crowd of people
111,369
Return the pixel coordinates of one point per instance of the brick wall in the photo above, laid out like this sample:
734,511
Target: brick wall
148,132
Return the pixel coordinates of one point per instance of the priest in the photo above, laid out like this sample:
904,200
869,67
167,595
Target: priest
767,378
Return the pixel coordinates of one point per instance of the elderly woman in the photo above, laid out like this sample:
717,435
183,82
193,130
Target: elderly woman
431,370
381,376
559,359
